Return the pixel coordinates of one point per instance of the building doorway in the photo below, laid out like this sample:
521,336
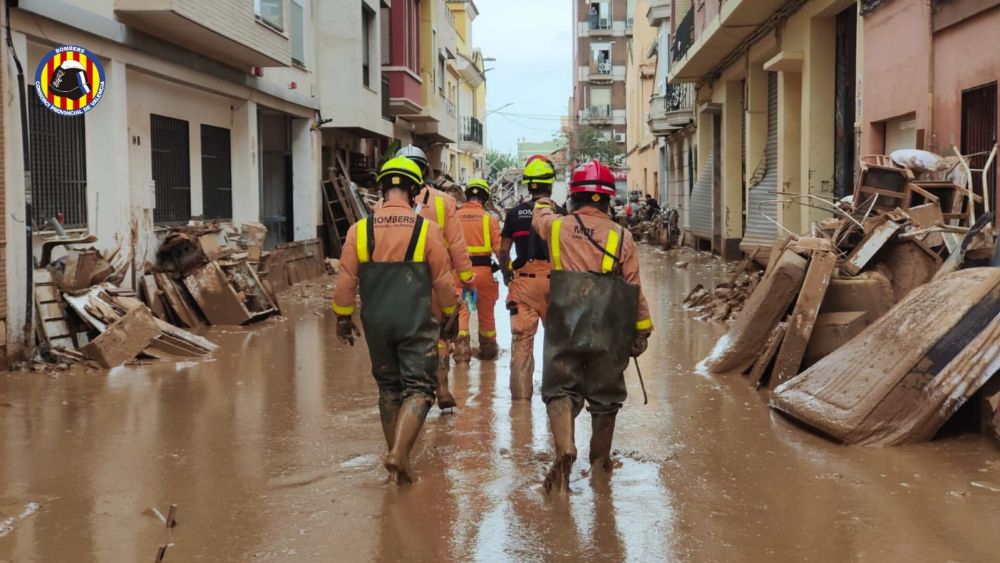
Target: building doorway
979,134
845,102
171,159
275,176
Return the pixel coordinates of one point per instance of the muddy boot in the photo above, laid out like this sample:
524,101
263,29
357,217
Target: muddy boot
388,409
488,348
444,398
561,417
603,431
410,420
463,352
522,368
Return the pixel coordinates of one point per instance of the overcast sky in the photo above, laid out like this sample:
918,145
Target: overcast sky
533,44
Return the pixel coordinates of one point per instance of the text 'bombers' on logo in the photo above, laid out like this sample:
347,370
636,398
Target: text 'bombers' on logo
70,80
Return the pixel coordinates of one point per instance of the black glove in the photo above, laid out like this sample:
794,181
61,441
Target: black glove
639,344
494,267
347,331
508,276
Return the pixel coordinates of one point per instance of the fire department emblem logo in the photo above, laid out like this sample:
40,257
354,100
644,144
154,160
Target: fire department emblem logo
70,80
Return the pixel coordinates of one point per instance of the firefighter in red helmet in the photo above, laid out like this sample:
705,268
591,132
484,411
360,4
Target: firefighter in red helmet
597,318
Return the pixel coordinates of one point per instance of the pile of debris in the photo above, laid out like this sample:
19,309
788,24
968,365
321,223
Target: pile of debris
205,275
850,292
726,300
344,204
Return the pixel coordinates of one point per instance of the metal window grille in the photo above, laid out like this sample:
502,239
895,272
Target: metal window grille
216,173
58,166
171,168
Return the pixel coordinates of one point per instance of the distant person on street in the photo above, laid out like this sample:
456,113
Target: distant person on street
652,207
440,209
398,261
527,276
482,233
597,319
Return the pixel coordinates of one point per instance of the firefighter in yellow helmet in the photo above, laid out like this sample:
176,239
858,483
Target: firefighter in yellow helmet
482,233
398,261
527,276
441,208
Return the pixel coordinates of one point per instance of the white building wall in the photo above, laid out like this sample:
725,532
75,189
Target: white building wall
119,162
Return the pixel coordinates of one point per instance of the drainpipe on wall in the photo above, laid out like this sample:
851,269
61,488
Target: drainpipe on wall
26,150
929,141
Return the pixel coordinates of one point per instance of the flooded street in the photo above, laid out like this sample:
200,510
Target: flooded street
272,451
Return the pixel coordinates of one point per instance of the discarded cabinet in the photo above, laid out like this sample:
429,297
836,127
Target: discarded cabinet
124,339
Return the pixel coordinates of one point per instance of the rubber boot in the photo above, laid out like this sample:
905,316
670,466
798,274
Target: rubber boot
561,417
388,410
445,400
410,420
488,348
463,352
603,426
522,368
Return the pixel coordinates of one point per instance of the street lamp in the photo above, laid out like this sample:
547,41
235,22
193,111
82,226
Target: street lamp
505,106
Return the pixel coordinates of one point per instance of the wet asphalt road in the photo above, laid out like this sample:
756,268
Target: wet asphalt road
272,452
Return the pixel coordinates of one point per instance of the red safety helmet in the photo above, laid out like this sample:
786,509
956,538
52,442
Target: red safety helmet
593,178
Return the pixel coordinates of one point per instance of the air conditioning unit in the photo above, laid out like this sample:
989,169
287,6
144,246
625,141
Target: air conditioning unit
619,137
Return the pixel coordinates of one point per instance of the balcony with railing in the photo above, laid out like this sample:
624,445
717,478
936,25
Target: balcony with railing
232,32
596,115
672,111
601,71
472,135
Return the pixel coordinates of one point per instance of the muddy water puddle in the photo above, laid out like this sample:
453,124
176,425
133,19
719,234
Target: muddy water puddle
272,453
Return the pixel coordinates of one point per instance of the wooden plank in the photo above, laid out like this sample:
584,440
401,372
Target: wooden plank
756,378
803,319
181,334
905,374
869,247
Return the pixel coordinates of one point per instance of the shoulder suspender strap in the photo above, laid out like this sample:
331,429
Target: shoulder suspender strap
415,250
365,240
611,261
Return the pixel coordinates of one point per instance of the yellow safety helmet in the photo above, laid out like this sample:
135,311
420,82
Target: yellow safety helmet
477,187
402,173
539,171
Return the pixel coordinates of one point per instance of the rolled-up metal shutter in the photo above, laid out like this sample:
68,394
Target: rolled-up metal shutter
700,218
761,201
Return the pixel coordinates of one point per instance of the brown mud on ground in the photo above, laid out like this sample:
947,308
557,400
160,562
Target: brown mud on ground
272,453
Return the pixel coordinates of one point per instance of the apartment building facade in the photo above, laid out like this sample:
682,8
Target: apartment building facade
600,48
924,87
230,111
642,148
775,85
470,152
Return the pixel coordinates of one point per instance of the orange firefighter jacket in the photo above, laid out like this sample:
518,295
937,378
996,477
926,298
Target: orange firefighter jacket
480,229
570,250
440,208
394,223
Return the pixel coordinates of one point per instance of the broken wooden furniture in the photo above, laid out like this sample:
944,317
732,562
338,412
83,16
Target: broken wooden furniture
886,186
904,376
